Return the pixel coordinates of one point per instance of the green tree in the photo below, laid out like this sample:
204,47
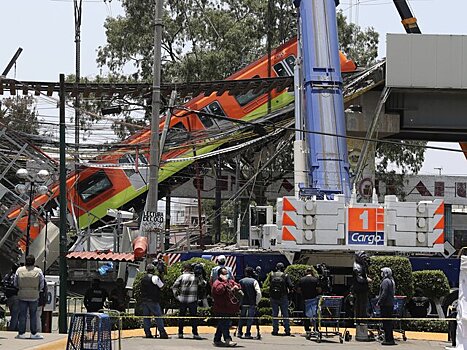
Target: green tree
406,156
209,39
212,39
19,113
361,45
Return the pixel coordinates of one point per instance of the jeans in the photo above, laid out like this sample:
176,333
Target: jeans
13,305
38,322
24,306
310,310
223,326
283,304
192,309
250,311
151,308
386,312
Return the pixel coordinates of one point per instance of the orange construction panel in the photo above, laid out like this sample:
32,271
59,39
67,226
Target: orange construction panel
286,235
440,239
440,224
440,209
287,206
287,220
364,220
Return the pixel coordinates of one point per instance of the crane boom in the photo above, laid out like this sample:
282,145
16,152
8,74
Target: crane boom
408,20
328,168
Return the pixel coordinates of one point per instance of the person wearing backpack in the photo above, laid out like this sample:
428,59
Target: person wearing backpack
279,287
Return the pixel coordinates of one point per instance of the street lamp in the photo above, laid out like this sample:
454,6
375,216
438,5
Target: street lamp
34,188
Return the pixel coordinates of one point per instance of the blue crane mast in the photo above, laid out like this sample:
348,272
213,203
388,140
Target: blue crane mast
321,86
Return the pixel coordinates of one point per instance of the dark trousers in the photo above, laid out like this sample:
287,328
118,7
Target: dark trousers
151,308
13,305
361,306
283,305
246,311
306,320
386,312
192,309
223,326
24,307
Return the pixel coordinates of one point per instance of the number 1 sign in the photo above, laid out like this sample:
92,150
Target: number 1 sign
365,226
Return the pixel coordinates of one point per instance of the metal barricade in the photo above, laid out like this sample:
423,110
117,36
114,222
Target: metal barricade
90,331
325,314
398,312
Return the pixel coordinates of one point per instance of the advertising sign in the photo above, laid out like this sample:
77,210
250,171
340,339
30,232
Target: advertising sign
365,226
152,220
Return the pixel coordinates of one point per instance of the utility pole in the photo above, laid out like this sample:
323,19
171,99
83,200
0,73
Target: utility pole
78,6
269,47
218,205
62,307
151,203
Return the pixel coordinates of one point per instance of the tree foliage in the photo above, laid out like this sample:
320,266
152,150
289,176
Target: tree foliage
212,39
407,157
361,45
19,113
401,271
202,39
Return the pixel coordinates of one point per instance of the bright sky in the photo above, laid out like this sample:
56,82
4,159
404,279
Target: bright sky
45,31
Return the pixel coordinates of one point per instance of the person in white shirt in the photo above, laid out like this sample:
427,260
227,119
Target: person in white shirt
151,286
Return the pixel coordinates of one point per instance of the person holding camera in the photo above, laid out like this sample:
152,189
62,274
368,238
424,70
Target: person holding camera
185,290
309,288
226,293
279,288
250,300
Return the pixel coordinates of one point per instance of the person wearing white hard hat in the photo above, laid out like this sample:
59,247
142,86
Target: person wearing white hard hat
215,270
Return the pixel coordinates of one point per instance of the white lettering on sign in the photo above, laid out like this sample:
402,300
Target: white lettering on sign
152,220
364,218
366,238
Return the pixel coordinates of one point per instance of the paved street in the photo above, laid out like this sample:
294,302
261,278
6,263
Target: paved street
134,340
50,342
268,341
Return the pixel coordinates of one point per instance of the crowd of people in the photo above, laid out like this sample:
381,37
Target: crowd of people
231,299
25,290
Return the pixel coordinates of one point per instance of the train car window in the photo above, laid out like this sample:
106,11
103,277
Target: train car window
213,108
244,99
177,132
281,71
216,109
206,120
143,159
93,185
126,159
290,62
